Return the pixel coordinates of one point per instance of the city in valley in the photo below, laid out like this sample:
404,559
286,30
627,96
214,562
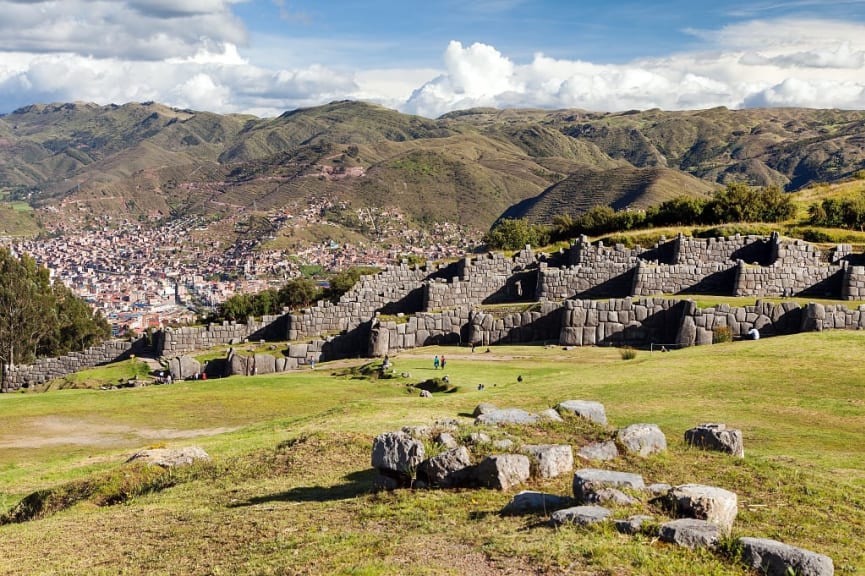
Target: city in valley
143,276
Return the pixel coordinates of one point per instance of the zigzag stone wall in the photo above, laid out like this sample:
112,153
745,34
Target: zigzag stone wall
47,368
439,303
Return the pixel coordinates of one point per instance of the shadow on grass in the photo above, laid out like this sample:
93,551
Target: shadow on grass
357,484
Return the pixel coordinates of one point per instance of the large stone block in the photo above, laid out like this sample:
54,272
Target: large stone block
774,558
588,409
581,515
443,470
691,533
550,460
503,471
716,437
642,439
702,502
588,480
529,501
397,452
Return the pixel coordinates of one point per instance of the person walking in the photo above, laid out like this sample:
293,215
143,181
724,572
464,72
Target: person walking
436,363
443,362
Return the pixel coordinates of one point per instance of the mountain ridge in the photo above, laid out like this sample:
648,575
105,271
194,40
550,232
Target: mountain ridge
470,167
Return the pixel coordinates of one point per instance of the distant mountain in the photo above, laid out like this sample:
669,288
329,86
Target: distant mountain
468,167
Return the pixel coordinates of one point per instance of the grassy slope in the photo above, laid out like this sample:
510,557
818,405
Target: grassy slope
303,506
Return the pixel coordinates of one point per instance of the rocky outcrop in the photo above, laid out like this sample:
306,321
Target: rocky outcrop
170,457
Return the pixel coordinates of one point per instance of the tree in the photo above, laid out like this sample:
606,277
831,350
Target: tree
515,233
298,293
38,318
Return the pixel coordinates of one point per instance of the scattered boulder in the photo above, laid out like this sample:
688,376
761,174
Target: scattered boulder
708,503
582,515
550,460
397,454
588,409
633,524
425,394
642,439
417,432
774,558
529,501
691,533
716,437
610,496
507,416
170,457
599,451
503,471
591,479
442,470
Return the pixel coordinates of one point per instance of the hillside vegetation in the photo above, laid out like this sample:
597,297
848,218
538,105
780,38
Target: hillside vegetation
289,487
152,162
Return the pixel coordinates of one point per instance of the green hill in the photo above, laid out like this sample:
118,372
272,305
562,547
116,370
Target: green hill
468,167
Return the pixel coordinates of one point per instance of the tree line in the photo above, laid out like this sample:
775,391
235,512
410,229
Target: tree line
40,318
737,202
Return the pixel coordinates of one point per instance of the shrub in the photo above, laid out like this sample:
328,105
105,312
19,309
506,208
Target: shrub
628,353
722,334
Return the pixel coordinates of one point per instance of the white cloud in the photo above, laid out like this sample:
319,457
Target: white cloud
191,53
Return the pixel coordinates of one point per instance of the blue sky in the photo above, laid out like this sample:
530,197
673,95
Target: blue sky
267,56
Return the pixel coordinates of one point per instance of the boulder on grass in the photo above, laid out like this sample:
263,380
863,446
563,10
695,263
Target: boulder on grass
170,457
691,533
507,416
774,558
503,471
582,515
590,480
642,439
600,451
529,501
588,409
550,460
716,437
396,452
708,503
443,470
610,496
632,524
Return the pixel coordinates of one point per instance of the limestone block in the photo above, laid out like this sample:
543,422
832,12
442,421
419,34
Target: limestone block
716,437
503,471
581,515
550,460
642,439
589,480
588,409
708,503
397,452
529,501
690,533
633,524
599,451
443,470
774,558
507,416
264,364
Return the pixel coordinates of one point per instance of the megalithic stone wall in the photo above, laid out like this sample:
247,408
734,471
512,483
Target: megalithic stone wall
46,369
175,341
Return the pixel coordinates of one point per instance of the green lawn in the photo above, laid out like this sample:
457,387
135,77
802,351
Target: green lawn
289,489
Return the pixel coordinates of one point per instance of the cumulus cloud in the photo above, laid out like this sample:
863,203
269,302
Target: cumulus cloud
810,63
134,29
192,54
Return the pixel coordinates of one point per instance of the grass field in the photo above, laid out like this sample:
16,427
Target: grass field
289,488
